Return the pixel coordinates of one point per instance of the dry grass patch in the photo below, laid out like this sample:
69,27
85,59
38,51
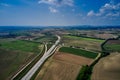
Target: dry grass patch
70,58
105,35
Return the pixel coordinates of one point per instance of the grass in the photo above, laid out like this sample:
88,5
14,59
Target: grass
24,71
12,61
82,38
47,39
85,73
14,54
20,45
81,42
79,52
112,47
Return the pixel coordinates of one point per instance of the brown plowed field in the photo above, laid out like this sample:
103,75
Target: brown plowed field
107,68
104,35
62,66
113,42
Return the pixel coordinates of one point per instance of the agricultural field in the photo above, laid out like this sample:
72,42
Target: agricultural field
25,46
15,54
81,47
65,64
107,68
84,43
62,66
46,39
79,52
112,45
101,34
105,35
12,61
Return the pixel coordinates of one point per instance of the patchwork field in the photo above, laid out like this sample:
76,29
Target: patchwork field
62,66
112,45
102,34
79,52
12,61
46,39
105,35
80,42
14,54
107,68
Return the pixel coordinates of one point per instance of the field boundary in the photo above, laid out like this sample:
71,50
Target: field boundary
103,44
86,71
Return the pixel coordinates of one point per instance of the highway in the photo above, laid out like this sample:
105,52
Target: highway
41,61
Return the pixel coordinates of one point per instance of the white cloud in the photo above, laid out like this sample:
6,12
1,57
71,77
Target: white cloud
57,2
4,4
53,10
91,13
109,10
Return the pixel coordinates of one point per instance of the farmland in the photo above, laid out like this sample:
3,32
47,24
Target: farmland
46,38
107,68
62,66
69,59
96,33
78,48
49,40
80,42
15,54
79,52
83,38
12,61
20,45
112,45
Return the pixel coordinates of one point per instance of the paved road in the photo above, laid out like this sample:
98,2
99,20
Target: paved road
27,65
40,62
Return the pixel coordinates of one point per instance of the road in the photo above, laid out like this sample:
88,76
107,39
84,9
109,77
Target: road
27,64
41,61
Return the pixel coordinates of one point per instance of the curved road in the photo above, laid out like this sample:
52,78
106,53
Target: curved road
41,61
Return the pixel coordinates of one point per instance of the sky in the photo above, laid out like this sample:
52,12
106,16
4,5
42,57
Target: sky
59,12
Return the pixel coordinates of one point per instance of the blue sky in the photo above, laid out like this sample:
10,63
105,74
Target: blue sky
59,12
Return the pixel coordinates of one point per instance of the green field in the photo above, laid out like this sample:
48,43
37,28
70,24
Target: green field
14,54
20,45
81,42
79,52
12,61
47,39
82,38
112,47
